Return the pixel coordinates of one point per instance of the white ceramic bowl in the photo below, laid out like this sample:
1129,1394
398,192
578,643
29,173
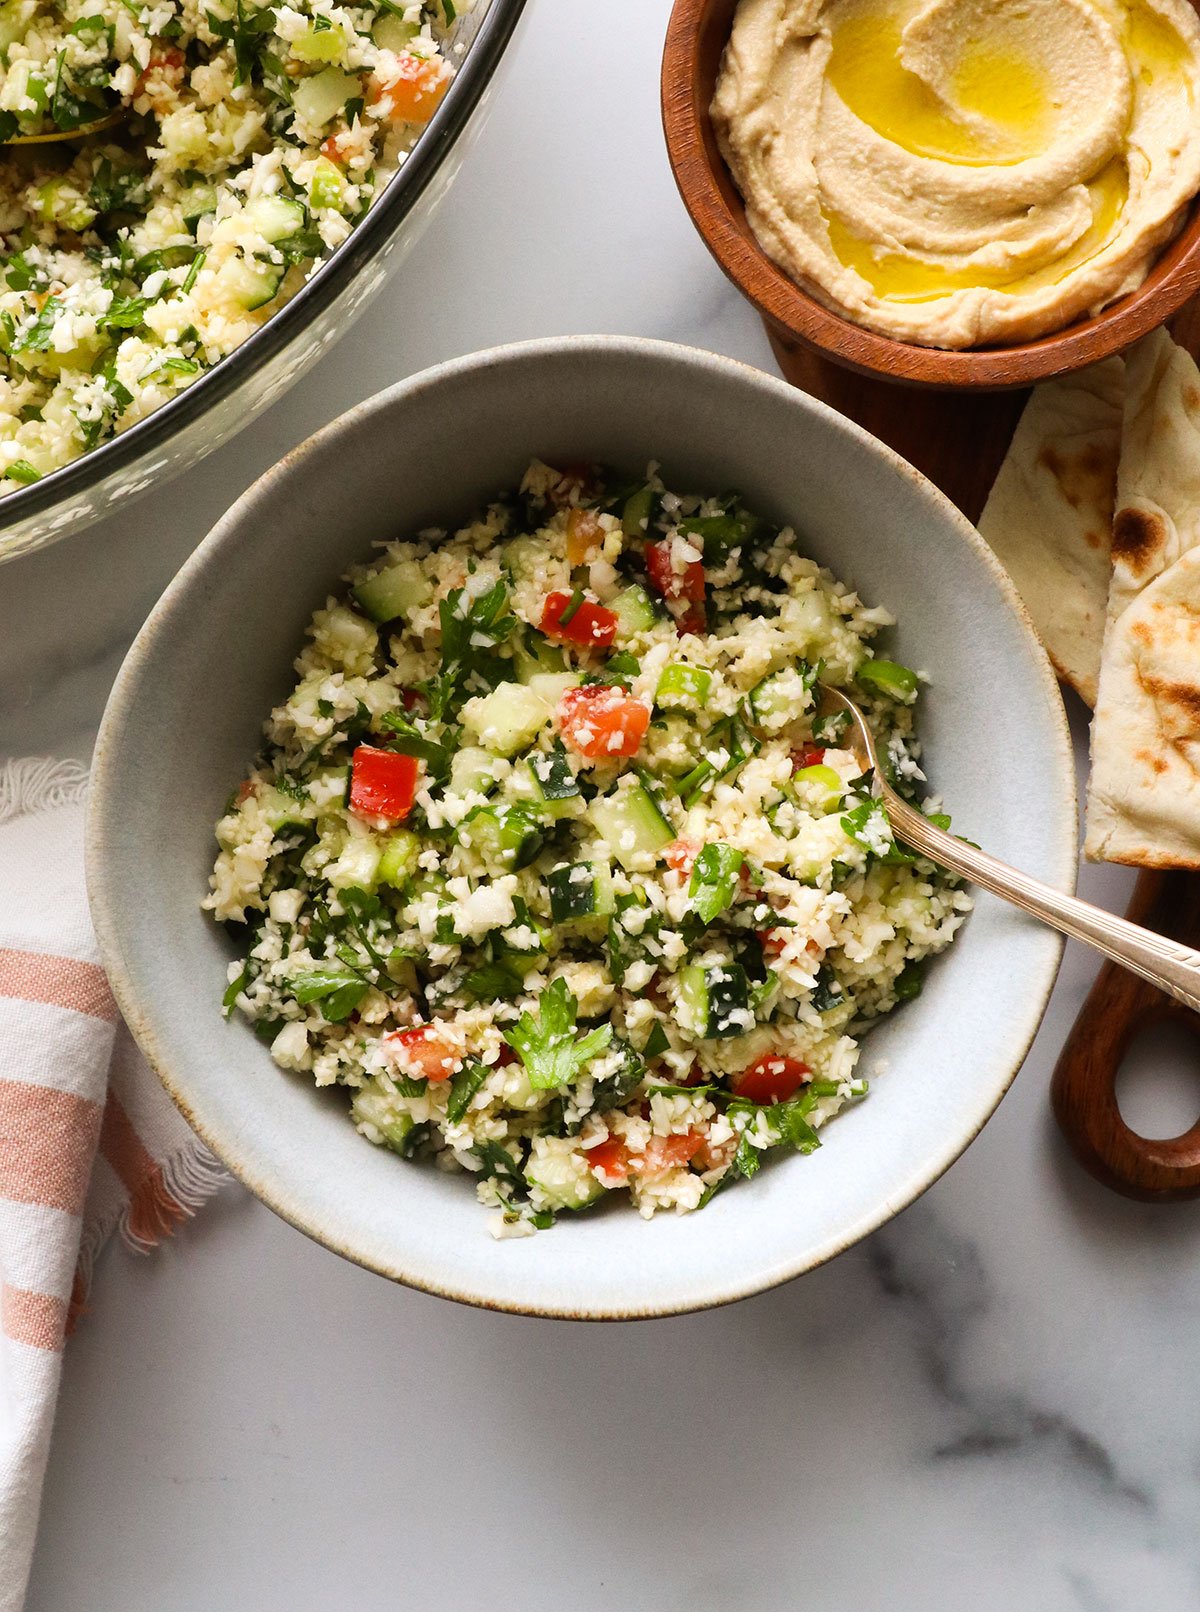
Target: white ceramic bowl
185,716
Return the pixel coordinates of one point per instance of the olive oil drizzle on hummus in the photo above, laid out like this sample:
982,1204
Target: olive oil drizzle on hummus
1002,112
913,279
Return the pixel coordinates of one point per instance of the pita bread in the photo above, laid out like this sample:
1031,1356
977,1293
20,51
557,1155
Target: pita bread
1049,515
1158,480
1144,795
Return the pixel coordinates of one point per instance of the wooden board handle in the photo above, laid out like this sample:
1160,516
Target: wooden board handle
1118,1008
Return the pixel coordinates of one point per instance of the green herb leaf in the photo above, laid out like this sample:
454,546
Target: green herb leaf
546,1044
463,1088
338,990
714,880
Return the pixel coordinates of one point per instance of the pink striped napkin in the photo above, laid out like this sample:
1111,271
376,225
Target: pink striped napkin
89,1141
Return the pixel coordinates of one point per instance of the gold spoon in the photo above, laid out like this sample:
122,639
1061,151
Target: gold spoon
57,136
1165,963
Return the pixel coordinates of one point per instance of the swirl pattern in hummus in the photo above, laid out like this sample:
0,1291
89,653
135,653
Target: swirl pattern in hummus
961,172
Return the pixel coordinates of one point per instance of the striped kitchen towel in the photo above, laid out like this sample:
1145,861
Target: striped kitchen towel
89,1141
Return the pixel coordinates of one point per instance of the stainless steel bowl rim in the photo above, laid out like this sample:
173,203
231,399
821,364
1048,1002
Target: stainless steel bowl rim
365,242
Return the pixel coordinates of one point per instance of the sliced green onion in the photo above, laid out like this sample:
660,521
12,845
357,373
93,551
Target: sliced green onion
572,609
888,678
683,685
820,784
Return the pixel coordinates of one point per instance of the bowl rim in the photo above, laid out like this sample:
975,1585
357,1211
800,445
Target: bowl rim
717,211
399,198
171,613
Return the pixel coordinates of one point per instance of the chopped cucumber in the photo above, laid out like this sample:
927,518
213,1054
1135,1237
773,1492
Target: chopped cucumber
553,776
247,282
393,33
508,719
472,771
558,1174
682,687
319,99
282,810
551,686
275,218
357,868
782,697
397,590
377,1113
634,611
319,44
15,18
507,835
716,1000
675,752
636,516
399,860
632,825
197,201
534,655
581,890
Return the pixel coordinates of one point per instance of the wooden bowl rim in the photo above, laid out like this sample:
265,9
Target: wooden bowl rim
799,317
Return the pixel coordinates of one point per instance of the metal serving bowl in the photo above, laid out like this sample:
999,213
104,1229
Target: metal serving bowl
229,395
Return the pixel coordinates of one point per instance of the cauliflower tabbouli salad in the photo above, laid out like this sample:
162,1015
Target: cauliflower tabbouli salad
215,151
552,860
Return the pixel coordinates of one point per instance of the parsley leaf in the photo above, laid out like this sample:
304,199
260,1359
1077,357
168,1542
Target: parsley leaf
338,990
545,1042
714,880
471,628
463,1089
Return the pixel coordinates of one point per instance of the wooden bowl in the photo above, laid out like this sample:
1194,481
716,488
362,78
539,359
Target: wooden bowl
696,36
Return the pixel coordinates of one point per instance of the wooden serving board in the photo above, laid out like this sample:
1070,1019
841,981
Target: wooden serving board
958,439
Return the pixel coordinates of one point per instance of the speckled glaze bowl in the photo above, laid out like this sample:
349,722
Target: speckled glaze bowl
186,713
257,373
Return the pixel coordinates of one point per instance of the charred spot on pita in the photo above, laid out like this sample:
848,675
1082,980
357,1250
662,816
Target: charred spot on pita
1138,535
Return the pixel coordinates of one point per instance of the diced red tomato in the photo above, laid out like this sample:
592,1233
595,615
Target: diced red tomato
772,1079
425,1052
574,481
812,757
693,620
590,625
680,855
610,1161
414,92
773,941
245,789
668,1152
602,722
666,580
382,784
614,1163
584,535
412,699
163,75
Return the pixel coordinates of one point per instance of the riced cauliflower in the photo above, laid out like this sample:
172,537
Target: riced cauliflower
555,861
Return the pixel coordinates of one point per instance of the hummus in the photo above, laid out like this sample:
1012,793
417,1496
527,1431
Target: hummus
959,172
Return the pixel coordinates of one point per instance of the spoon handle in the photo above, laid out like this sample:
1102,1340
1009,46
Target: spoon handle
1174,968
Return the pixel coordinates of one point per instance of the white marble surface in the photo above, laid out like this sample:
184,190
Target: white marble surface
990,1404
